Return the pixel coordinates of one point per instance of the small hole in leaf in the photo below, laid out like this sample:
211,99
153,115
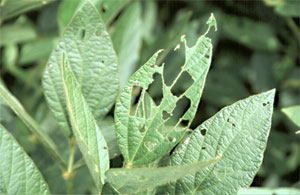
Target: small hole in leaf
203,148
206,55
203,132
102,61
228,120
81,34
233,124
264,104
142,129
103,8
104,147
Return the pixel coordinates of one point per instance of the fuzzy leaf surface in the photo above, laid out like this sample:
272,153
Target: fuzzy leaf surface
89,51
18,173
239,132
90,139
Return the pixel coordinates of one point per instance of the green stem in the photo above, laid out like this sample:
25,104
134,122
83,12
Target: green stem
32,125
294,28
70,174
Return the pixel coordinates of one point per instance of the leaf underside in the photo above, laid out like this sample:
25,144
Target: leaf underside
87,134
137,179
89,51
18,173
239,132
144,138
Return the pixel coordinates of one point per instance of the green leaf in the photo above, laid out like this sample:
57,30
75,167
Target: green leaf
11,8
266,191
19,32
90,53
143,139
90,139
107,8
288,8
18,173
32,125
254,35
138,179
127,40
293,113
239,132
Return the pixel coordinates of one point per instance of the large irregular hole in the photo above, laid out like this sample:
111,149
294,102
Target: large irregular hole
182,106
135,95
155,89
182,84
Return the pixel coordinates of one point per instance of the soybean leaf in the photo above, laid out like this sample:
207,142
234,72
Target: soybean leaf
19,32
87,133
11,8
90,54
266,191
143,139
293,113
257,36
288,8
107,8
138,179
32,125
127,40
18,173
239,132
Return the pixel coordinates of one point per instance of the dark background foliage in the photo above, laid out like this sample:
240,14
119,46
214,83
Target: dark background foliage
256,48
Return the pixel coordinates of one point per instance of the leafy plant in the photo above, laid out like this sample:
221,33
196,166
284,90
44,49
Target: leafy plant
131,131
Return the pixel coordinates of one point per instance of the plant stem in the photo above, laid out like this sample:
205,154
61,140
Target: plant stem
294,28
70,173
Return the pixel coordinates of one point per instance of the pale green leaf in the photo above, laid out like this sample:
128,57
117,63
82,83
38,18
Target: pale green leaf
32,125
293,113
90,139
18,173
138,179
90,53
239,132
19,32
108,9
266,191
143,139
127,40
11,8
289,8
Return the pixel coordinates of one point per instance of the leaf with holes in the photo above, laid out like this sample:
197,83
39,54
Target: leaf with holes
90,139
135,180
18,173
239,132
144,138
89,51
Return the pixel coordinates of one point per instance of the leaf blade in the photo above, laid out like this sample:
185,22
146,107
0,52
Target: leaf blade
18,173
138,179
90,139
90,53
240,162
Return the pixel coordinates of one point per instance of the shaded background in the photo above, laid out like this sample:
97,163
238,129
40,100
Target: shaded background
256,48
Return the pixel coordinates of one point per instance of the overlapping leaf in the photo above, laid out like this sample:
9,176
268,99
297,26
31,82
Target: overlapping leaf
89,50
293,113
137,179
87,134
240,133
143,139
18,173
